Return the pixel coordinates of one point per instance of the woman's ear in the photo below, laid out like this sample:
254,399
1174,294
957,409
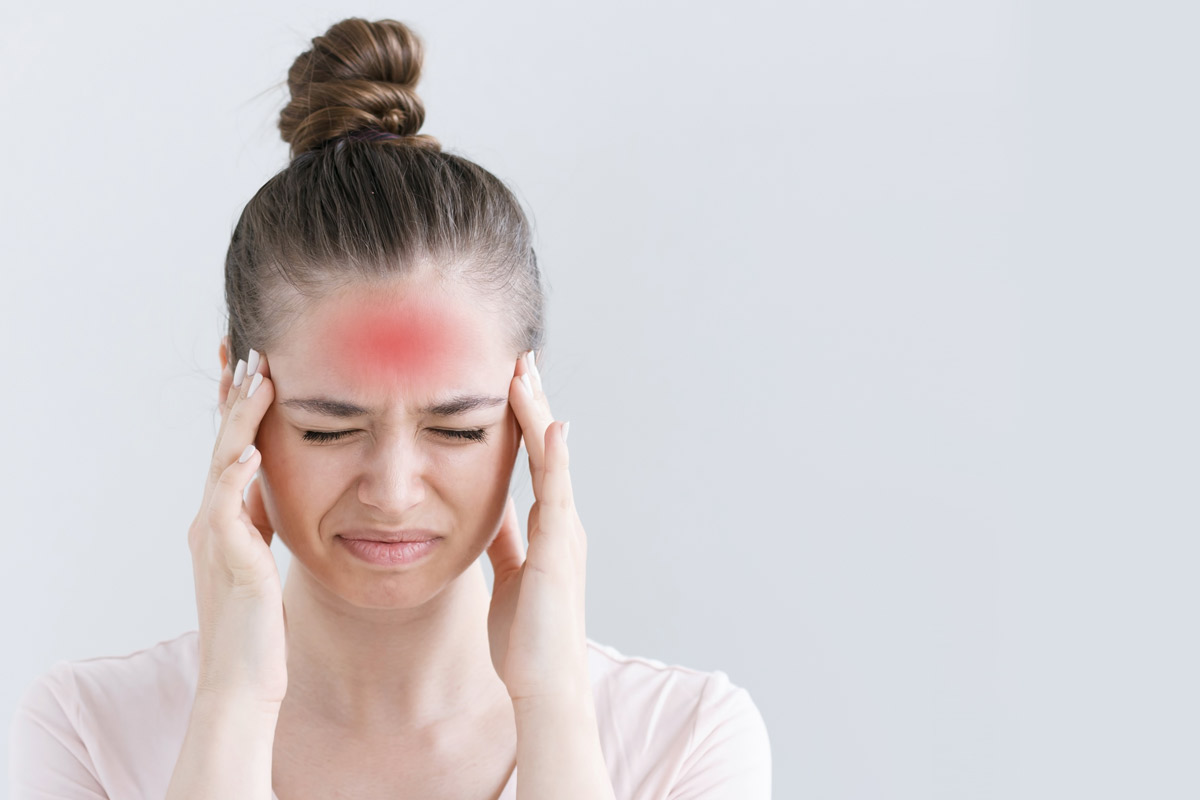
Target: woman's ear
226,381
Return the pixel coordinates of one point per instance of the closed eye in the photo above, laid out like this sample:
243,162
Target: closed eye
477,435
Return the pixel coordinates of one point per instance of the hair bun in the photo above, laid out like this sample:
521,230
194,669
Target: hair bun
358,76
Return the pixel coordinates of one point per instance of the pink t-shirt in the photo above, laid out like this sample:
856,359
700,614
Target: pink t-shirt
112,727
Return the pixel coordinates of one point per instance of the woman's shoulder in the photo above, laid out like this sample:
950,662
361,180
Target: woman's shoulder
678,725
608,665
635,676
161,673
111,721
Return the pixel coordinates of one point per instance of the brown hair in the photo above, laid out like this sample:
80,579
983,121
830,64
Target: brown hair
367,198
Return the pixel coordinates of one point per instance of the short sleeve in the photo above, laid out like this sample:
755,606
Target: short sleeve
47,759
730,757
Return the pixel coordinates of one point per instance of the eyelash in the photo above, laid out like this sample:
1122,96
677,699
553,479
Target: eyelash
477,435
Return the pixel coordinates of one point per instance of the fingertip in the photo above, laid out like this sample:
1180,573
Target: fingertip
239,373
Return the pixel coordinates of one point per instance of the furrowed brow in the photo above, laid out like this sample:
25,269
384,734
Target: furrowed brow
458,404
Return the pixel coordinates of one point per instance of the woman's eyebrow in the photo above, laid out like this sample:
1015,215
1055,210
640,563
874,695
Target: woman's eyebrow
457,404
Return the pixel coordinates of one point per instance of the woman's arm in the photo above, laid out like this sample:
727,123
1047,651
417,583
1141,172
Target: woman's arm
226,753
558,750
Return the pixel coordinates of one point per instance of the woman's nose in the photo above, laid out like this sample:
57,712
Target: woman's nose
392,479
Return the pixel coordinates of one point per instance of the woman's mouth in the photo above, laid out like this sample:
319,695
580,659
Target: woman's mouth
389,554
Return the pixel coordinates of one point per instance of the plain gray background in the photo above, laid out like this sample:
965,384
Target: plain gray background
874,321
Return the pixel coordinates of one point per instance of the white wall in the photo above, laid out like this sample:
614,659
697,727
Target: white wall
875,322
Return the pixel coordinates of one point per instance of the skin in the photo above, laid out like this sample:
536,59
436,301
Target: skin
394,657
388,674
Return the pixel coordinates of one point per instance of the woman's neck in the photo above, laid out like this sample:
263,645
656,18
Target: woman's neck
371,674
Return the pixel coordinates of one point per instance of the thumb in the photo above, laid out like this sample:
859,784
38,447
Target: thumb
258,511
506,551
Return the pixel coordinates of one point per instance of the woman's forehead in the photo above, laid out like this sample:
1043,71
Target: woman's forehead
372,336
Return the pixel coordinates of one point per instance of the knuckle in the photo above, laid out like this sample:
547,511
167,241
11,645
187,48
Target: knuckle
212,517
228,474
220,474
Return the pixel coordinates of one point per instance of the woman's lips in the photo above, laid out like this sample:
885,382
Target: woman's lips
389,554
375,535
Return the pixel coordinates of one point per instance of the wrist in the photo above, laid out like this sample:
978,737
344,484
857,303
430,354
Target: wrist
233,704
573,703
559,753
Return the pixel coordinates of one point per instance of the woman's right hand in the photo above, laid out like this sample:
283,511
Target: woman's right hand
239,599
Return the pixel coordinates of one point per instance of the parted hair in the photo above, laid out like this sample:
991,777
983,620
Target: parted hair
367,198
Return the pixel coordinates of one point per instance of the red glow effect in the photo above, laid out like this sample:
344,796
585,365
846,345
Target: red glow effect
389,342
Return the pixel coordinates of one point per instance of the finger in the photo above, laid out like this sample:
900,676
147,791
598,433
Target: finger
236,389
243,371
239,545
535,374
506,551
240,382
557,502
533,414
237,376
240,425
225,503
264,365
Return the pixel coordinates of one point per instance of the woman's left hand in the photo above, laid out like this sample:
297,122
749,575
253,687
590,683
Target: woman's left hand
536,620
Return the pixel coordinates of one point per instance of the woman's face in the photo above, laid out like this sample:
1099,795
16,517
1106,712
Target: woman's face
393,352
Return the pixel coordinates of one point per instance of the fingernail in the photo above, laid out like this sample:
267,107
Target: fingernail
245,456
533,368
254,384
239,373
525,381
565,428
252,365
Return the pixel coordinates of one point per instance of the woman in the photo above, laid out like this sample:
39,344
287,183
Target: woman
385,309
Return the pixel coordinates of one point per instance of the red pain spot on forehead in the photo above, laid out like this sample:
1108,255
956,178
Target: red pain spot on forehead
393,342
